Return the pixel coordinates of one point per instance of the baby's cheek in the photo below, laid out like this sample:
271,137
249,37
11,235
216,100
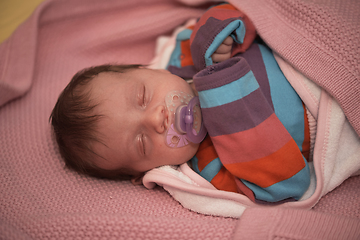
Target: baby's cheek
190,151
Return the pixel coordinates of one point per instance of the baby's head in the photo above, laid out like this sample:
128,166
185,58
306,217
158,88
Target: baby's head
111,121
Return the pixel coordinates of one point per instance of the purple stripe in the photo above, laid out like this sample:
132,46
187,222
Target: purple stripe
237,116
220,74
254,59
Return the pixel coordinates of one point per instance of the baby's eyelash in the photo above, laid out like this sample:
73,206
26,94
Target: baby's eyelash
141,96
144,95
143,143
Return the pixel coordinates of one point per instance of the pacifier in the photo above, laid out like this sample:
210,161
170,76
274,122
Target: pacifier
185,118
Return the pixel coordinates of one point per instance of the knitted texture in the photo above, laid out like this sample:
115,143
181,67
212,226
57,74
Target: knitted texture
39,198
295,224
318,37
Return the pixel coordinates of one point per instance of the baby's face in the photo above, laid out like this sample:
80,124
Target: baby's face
136,120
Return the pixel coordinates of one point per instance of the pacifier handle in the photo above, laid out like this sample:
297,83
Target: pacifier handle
185,121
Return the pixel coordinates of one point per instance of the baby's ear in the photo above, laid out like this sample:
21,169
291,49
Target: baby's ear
137,180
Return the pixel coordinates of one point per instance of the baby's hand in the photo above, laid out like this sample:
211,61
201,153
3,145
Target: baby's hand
224,51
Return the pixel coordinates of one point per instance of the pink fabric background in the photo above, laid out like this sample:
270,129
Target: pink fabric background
39,199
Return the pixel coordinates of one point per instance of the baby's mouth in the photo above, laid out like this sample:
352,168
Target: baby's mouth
173,100
183,120
167,119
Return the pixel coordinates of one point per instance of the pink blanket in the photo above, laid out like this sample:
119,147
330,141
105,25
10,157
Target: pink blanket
39,199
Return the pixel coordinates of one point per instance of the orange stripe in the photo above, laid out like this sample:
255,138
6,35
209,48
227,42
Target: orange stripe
271,169
224,180
186,58
255,143
206,153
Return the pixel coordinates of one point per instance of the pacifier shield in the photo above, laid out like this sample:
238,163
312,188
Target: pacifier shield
184,118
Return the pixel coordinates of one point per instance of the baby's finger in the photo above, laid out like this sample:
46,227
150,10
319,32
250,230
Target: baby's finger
216,57
223,48
228,41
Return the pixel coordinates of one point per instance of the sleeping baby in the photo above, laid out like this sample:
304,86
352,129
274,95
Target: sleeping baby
237,122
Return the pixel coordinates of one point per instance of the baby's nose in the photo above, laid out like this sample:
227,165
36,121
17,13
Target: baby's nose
157,119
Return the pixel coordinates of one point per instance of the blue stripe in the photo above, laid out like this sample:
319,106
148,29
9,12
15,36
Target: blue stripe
238,26
213,168
175,58
194,164
293,187
230,92
287,103
184,35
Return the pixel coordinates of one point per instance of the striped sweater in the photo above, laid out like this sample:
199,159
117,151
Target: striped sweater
258,136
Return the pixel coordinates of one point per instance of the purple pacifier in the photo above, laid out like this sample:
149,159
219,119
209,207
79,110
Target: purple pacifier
185,117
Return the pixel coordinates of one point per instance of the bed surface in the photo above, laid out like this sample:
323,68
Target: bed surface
39,198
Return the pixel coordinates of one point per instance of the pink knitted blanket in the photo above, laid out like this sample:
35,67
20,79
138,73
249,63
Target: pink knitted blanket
40,199
319,38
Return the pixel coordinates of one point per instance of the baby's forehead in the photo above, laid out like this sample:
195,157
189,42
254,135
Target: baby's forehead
105,77
108,92
109,78
105,81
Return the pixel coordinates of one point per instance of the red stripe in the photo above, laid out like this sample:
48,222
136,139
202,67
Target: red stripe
186,58
255,143
306,143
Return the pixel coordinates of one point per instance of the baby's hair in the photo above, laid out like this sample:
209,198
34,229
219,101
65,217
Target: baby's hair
74,123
